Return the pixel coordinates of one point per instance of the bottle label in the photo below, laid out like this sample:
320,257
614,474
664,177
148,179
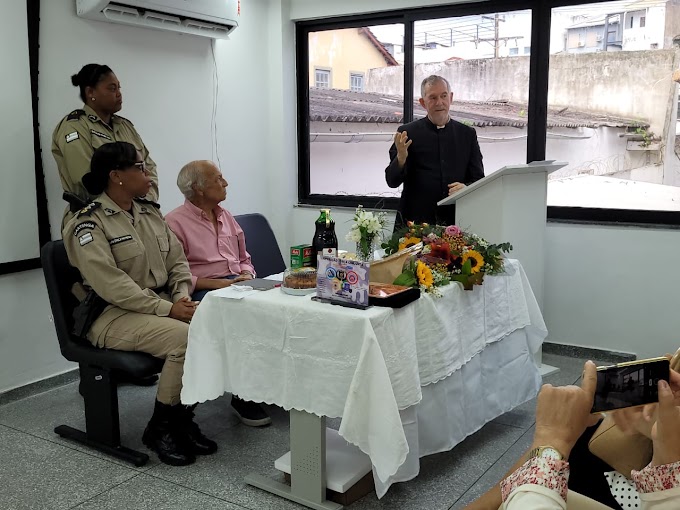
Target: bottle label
330,252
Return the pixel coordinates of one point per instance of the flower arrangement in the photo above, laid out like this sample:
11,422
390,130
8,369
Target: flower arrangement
449,254
367,225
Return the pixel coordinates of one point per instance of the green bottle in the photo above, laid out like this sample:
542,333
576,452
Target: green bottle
325,241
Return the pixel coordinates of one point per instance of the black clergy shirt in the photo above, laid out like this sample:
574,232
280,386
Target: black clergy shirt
436,158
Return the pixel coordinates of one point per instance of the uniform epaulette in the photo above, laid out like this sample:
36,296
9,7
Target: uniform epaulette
75,114
123,118
89,209
150,202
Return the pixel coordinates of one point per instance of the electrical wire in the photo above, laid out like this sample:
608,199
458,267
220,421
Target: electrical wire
216,90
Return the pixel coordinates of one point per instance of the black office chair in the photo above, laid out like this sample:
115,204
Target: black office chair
261,244
99,368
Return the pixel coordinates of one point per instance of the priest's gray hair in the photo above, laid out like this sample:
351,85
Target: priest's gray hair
191,178
431,80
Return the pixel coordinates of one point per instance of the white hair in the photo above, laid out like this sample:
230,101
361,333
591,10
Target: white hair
191,178
431,80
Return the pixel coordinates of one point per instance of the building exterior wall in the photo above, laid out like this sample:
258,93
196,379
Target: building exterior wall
343,52
634,85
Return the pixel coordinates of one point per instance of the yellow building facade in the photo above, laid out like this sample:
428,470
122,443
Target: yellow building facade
340,59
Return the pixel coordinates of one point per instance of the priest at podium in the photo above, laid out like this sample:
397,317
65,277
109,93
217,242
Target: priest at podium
432,157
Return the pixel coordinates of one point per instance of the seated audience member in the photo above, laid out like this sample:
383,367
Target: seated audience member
215,247
623,439
213,242
128,256
562,415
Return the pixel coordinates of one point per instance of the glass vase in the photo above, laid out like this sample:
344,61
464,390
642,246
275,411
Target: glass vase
365,249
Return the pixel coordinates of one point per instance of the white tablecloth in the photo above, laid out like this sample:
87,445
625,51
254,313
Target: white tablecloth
366,366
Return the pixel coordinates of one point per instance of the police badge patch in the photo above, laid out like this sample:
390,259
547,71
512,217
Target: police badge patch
86,224
85,238
72,136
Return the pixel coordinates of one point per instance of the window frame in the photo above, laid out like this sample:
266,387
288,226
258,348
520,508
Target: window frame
541,13
356,74
318,69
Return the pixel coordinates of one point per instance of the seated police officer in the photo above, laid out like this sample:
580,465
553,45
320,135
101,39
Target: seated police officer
128,256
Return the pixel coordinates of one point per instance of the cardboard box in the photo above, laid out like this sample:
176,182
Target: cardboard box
300,256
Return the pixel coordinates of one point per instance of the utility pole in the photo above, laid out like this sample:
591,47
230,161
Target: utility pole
497,46
496,39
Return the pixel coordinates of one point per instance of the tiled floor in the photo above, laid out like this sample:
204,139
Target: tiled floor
39,470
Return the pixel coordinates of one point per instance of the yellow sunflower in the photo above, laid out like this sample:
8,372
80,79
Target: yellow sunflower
476,260
409,241
424,274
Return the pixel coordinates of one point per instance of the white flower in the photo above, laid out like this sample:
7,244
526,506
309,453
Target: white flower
354,235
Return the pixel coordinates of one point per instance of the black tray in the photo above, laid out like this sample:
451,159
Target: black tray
397,299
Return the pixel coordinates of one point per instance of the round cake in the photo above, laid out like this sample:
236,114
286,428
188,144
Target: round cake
303,278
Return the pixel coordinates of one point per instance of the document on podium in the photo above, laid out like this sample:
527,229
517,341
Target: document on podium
534,167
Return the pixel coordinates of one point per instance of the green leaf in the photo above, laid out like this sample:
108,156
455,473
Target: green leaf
407,279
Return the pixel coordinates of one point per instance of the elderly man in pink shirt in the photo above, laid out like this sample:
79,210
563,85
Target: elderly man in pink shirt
215,247
212,239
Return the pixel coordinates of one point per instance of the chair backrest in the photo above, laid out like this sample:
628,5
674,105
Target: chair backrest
261,244
60,276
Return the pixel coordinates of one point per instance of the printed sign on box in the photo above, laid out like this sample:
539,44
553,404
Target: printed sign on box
342,280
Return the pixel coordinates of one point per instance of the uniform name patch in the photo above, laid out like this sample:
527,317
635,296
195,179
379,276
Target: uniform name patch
120,239
72,136
100,134
85,238
84,225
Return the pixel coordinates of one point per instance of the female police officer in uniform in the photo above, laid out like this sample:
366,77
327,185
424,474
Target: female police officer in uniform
129,257
82,131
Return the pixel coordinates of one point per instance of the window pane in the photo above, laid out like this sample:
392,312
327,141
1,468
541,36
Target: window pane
356,82
322,78
353,118
612,107
490,91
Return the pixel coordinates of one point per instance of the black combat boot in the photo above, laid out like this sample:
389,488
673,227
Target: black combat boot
198,443
164,435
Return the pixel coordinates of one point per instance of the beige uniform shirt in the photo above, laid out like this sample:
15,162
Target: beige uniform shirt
78,135
123,256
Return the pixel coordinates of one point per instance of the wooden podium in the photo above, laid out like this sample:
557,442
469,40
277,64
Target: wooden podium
510,205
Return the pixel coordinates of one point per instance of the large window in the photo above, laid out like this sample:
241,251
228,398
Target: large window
350,127
610,110
589,84
490,91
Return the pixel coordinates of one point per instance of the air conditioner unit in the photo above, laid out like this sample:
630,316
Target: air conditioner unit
207,18
599,38
581,44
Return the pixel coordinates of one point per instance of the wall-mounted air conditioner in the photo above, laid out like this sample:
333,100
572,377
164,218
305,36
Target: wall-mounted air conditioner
581,44
207,18
599,38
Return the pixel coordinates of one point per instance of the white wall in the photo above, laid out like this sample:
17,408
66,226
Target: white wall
29,350
167,82
613,288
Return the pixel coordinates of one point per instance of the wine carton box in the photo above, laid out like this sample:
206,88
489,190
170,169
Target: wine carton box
300,256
